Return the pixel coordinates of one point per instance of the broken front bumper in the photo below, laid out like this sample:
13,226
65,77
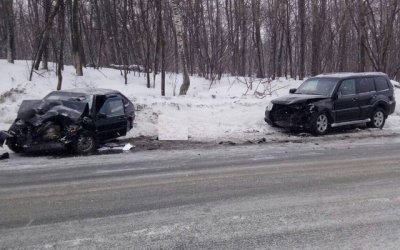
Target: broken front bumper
288,117
4,135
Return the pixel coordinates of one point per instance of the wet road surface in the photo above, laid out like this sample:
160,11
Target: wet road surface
336,194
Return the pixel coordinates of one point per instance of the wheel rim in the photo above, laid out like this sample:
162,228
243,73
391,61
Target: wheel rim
322,123
378,119
85,143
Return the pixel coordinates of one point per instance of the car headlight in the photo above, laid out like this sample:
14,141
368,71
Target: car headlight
269,106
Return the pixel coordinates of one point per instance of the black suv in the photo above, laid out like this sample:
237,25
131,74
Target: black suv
77,119
333,100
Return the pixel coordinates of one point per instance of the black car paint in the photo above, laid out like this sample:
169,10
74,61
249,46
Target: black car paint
338,108
72,116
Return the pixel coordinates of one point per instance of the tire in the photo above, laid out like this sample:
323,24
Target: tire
319,124
85,143
13,146
378,118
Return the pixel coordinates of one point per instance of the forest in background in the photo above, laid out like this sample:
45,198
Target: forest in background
209,38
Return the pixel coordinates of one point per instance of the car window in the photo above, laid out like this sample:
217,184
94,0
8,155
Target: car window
381,83
317,86
348,87
365,85
113,107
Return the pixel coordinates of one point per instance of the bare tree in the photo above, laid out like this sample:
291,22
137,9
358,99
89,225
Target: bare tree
256,5
318,16
177,18
76,37
61,31
206,37
161,42
7,23
302,36
362,35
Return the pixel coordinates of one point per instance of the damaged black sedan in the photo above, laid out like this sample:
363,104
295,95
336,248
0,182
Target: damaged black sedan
333,100
78,120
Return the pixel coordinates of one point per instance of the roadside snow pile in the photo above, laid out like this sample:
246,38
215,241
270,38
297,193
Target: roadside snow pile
227,109
393,122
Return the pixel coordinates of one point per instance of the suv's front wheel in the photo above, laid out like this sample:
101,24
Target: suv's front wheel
319,124
378,118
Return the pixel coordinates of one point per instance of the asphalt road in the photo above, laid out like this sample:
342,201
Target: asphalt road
341,194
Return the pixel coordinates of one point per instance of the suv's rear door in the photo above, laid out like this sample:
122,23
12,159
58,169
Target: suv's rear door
346,106
111,120
366,95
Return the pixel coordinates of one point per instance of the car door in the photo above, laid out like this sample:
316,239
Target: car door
366,94
111,120
346,105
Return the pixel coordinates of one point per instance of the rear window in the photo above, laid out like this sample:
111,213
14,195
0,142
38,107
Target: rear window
365,85
381,83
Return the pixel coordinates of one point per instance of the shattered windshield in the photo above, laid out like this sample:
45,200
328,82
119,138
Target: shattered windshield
70,96
318,86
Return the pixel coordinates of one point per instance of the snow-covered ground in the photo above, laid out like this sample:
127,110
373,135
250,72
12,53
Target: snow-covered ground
225,110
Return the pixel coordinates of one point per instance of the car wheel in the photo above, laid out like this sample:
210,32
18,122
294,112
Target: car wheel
85,144
13,146
320,124
378,118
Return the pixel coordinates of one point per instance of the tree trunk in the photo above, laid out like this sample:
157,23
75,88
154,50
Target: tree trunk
258,41
158,40
162,44
76,38
362,36
61,30
177,19
274,38
45,57
318,16
343,43
302,49
243,37
9,17
288,39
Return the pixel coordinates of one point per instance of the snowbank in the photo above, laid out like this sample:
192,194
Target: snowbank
227,109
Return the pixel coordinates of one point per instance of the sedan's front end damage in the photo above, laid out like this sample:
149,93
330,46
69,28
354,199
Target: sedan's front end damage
78,119
3,137
46,124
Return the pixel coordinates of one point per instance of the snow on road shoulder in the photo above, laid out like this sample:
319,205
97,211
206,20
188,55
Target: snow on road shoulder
227,109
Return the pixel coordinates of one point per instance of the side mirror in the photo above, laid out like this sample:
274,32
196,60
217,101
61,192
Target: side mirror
292,91
101,116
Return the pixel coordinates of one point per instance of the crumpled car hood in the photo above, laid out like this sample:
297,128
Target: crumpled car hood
36,112
297,99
